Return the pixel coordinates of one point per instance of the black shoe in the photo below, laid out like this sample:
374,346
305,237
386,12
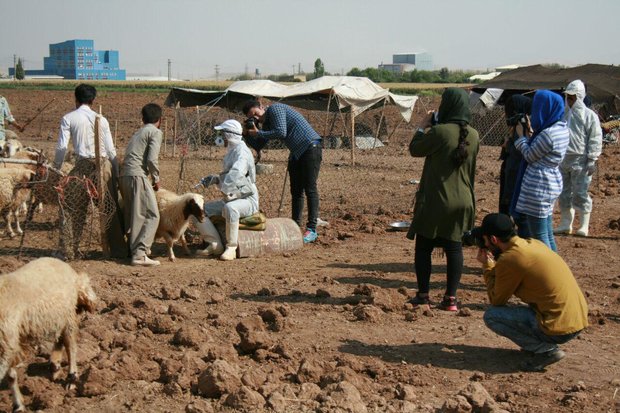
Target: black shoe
540,361
420,302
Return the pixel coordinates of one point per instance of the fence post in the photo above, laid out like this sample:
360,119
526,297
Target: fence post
100,188
352,138
165,135
174,137
199,128
115,132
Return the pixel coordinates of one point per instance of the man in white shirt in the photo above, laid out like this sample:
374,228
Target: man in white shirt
78,127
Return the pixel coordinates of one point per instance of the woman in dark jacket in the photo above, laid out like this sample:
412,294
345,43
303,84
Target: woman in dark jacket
516,107
444,206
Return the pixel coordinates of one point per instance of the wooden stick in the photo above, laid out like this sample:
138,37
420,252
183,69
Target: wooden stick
29,121
100,188
352,139
165,134
115,132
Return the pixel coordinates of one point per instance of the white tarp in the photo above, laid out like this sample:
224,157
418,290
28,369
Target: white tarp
356,93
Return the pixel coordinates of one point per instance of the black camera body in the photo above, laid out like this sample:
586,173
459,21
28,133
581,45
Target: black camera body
434,118
473,238
517,118
250,123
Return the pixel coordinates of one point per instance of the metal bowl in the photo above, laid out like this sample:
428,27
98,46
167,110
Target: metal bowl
400,226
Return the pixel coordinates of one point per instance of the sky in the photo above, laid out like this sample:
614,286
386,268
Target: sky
281,36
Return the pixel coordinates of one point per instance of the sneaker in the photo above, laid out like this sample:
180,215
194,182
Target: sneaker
310,236
144,261
420,302
448,304
540,361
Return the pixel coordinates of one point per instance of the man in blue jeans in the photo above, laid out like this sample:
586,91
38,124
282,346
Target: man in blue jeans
280,121
556,310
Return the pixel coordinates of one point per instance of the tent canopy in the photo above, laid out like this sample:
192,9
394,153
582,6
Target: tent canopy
354,94
602,82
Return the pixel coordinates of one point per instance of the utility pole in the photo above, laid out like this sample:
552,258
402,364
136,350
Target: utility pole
299,68
169,70
217,72
293,70
14,66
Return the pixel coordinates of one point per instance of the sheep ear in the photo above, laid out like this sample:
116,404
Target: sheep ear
87,299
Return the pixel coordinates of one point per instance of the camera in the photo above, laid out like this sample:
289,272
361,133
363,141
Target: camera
250,123
473,238
517,118
434,118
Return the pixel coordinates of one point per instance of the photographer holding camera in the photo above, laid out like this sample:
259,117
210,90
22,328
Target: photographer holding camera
539,182
280,121
444,204
556,310
517,108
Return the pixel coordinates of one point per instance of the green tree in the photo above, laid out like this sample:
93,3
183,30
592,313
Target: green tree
444,74
19,70
319,68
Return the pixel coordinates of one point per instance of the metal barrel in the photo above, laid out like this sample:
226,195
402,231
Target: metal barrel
280,235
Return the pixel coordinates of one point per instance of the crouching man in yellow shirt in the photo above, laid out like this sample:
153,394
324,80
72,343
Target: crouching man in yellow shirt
556,310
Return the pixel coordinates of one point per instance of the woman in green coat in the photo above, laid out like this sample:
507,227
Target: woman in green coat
445,203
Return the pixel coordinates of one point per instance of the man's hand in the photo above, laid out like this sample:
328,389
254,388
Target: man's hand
251,131
591,167
156,186
484,256
209,180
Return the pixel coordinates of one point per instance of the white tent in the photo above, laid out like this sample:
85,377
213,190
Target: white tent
356,94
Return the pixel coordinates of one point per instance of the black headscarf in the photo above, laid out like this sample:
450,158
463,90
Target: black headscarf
454,106
517,104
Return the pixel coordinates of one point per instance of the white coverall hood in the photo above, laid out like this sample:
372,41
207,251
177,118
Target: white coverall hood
232,132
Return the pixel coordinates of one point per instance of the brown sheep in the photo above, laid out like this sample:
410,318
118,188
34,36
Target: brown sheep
39,303
174,215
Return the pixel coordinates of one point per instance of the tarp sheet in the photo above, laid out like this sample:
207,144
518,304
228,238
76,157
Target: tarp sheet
602,82
354,94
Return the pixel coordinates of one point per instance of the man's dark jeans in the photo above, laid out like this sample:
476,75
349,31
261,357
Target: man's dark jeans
304,173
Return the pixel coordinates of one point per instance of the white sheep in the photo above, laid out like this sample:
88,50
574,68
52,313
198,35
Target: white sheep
174,215
11,147
14,191
39,303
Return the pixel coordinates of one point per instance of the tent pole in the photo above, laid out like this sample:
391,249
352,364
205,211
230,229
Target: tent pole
174,137
327,117
374,144
395,128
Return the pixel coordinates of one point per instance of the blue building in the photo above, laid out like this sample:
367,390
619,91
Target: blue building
78,59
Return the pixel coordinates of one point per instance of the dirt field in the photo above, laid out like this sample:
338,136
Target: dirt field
324,328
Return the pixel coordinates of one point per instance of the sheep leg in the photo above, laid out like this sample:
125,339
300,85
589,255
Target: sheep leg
184,245
170,243
18,229
71,348
18,400
56,358
9,228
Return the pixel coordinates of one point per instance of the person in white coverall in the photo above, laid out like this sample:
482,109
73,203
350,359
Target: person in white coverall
237,182
584,148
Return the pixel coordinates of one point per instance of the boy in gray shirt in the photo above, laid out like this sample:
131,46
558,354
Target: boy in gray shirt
141,212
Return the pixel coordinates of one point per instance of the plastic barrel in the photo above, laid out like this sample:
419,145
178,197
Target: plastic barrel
280,235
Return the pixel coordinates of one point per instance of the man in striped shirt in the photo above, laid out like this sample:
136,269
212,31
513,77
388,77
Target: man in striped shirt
280,121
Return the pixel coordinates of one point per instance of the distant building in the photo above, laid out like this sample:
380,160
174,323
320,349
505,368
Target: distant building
78,59
407,62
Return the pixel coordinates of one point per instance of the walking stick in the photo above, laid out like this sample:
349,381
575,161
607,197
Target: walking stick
283,189
29,121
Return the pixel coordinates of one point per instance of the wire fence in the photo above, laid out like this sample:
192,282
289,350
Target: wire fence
366,169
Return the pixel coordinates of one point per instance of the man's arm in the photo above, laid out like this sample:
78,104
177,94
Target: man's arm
152,160
500,281
63,141
533,152
276,119
595,137
108,144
